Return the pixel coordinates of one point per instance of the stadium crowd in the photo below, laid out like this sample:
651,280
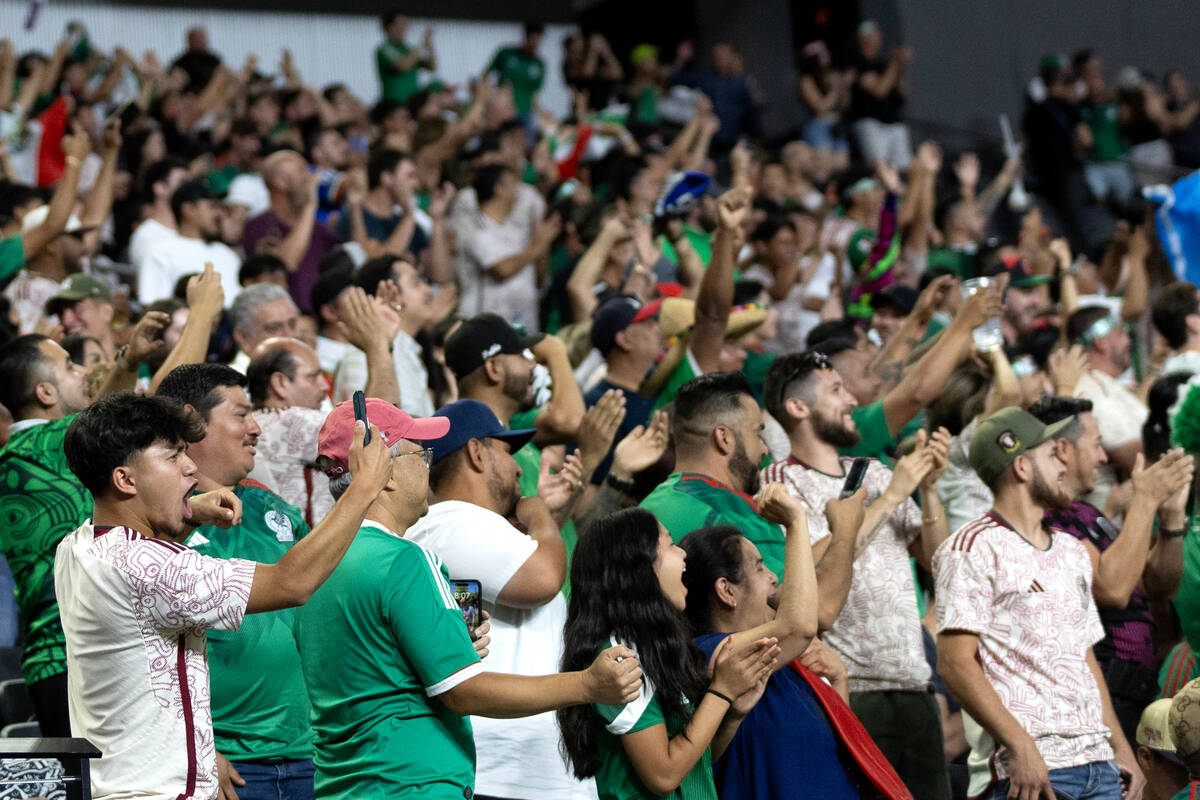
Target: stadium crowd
697,463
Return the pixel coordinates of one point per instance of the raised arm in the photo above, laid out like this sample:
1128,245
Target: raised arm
292,580
205,299
100,198
590,265
715,299
364,328
540,578
293,247
559,420
76,147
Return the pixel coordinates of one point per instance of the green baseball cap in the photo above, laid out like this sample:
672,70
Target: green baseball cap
1005,435
79,286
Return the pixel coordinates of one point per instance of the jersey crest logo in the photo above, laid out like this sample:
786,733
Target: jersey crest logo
280,525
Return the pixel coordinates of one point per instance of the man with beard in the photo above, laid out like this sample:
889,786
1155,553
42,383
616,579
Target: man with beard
482,528
1016,623
1131,568
1119,412
197,215
717,427
492,362
136,602
867,600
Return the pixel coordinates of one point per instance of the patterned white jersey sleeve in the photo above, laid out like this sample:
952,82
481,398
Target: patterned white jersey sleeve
180,589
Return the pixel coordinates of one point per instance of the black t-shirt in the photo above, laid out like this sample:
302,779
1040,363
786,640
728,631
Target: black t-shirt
637,412
1185,143
864,105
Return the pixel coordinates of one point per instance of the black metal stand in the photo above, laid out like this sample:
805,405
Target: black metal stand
74,755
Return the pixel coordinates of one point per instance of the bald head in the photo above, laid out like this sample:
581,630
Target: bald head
285,373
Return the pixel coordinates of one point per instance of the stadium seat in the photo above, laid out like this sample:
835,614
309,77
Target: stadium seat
21,730
15,703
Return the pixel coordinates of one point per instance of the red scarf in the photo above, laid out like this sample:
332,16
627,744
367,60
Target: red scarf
854,737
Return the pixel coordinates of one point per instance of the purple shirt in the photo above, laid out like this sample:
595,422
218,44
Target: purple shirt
266,231
1129,631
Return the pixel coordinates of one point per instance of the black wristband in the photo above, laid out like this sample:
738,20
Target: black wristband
1165,533
718,694
624,487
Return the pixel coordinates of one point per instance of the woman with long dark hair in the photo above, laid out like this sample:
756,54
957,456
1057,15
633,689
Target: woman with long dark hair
790,738
627,586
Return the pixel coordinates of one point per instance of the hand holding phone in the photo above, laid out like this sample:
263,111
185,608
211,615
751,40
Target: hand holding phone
468,593
360,413
854,478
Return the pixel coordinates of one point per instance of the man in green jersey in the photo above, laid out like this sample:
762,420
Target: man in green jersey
389,665
259,704
717,429
399,64
522,69
41,500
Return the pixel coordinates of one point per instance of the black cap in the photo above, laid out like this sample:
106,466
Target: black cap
482,337
615,315
190,192
903,298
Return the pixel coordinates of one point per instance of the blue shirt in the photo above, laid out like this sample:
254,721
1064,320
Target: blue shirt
785,747
638,410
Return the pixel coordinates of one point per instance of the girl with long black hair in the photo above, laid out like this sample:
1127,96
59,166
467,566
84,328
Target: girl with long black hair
627,586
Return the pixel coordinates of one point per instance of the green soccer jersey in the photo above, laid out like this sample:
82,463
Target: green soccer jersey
686,501
616,779
379,641
12,256
41,501
522,71
394,84
260,707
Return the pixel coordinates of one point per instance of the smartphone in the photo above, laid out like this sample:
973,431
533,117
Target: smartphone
469,596
854,478
360,412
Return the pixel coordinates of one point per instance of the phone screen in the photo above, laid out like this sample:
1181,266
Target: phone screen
854,478
469,596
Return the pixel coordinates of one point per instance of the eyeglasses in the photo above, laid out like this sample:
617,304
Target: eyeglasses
426,455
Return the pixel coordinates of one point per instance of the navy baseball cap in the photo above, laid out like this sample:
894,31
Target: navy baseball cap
902,298
471,419
617,314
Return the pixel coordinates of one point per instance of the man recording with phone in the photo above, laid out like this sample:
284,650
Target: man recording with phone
482,528
867,599
390,668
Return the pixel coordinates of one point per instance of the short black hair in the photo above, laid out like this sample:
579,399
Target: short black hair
1049,410
158,172
23,366
196,385
376,270
278,358
1038,343
260,264
74,345
110,431
534,26
389,16
830,329
487,178
1082,319
784,379
715,394
834,346
1171,310
766,230
330,284
382,161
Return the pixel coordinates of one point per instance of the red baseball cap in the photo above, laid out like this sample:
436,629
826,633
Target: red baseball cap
333,442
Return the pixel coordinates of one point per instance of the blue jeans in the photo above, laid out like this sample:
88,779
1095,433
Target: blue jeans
285,780
1099,780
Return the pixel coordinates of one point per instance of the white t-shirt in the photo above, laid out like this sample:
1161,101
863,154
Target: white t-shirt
28,293
878,632
169,259
1120,414
1036,620
135,612
411,375
144,236
515,758
287,450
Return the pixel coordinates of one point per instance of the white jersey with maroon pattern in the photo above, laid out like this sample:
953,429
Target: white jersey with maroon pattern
135,611
878,632
1036,621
